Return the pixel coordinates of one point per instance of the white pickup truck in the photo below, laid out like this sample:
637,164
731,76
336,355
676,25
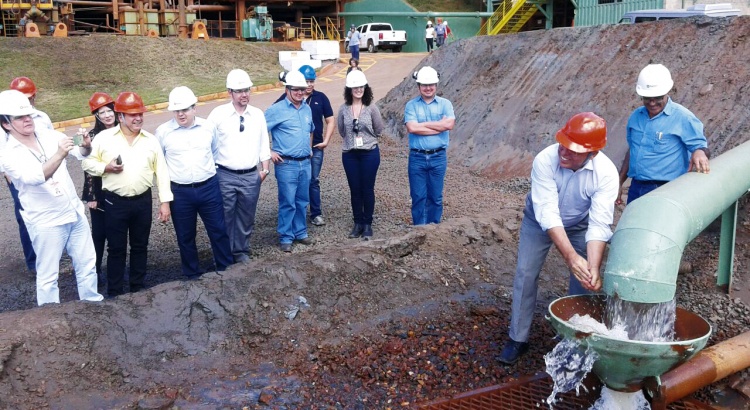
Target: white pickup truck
379,36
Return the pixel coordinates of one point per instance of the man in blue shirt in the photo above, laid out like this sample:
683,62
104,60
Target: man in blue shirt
321,111
291,126
428,120
354,38
571,205
665,139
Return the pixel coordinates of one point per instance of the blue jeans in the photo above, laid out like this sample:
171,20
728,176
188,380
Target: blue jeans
354,50
293,180
205,201
316,163
533,247
426,178
361,167
28,249
640,188
239,194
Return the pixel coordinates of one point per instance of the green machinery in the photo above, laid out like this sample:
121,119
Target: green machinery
258,26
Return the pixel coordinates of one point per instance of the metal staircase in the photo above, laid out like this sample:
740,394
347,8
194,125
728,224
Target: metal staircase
509,17
310,29
10,23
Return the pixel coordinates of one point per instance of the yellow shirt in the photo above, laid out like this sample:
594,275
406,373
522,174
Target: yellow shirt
141,161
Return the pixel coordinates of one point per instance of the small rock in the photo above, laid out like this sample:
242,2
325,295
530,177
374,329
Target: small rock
265,397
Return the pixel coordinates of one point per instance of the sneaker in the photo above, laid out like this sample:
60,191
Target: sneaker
305,241
512,351
318,221
285,247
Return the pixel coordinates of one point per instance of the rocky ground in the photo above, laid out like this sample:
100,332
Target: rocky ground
416,314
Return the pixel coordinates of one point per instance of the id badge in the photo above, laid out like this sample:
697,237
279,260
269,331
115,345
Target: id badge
358,142
56,188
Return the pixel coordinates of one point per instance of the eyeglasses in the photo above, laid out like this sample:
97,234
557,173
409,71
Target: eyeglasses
298,90
242,123
19,117
653,99
355,126
242,91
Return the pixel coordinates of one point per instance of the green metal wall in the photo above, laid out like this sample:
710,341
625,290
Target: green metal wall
590,13
461,27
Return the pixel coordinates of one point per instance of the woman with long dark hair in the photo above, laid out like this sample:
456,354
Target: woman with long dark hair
102,106
360,124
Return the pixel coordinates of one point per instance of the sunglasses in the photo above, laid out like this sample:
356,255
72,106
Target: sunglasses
298,90
355,125
242,91
242,123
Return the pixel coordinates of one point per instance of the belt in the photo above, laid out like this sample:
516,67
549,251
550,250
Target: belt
640,181
294,158
146,193
428,151
193,185
237,171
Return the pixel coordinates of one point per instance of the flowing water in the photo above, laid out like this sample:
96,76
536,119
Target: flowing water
569,362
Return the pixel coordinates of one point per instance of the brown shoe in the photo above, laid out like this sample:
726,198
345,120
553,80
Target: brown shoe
304,241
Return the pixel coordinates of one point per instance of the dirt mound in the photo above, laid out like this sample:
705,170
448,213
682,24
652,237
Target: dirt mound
512,93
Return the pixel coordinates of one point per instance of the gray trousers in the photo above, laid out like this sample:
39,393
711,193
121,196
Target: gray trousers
240,195
533,248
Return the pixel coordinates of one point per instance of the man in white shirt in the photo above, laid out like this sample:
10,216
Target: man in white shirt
242,157
188,143
571,205
54,216
41,121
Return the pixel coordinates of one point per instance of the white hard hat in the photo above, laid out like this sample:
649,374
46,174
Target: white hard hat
13,102
181,98
426,75
295,79
445,22
654,81
238,80
356,78
429,22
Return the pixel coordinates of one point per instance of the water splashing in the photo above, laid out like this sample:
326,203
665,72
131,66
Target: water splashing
568,364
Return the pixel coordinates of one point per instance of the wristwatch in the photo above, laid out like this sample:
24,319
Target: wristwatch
265,171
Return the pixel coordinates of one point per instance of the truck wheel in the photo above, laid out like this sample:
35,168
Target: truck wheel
372,48
397,49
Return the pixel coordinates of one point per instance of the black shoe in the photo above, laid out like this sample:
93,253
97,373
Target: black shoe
512,351
286,247
367,231
356,231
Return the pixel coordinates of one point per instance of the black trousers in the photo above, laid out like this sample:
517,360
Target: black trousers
127,218
99,235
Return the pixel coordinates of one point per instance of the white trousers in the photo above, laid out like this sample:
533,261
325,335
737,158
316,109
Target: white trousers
49,242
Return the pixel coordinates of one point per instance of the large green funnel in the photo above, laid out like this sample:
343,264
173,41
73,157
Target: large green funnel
623,364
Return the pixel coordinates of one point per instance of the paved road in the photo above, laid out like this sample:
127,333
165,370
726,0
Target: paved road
384,71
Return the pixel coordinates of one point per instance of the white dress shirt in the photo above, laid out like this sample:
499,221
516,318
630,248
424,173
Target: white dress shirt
240,150
562,197
41,120
188,150
46,202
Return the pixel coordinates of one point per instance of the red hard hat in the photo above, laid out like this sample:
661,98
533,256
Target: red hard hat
584,132
129,102
99,100
24,85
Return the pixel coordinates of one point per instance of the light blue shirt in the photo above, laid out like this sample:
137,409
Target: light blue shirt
290,128
417,110
355,38
563,197
660,147
188,150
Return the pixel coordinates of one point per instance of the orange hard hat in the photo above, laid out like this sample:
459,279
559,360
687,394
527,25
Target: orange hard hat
99,100
129,102
584,132
24,85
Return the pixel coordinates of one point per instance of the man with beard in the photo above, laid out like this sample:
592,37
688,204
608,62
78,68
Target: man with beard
242,158
128,158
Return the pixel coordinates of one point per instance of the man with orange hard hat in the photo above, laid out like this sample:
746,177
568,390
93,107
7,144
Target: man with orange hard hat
571,205
129,158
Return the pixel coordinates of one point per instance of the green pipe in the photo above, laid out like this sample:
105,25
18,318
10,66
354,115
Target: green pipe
647,245
477,14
